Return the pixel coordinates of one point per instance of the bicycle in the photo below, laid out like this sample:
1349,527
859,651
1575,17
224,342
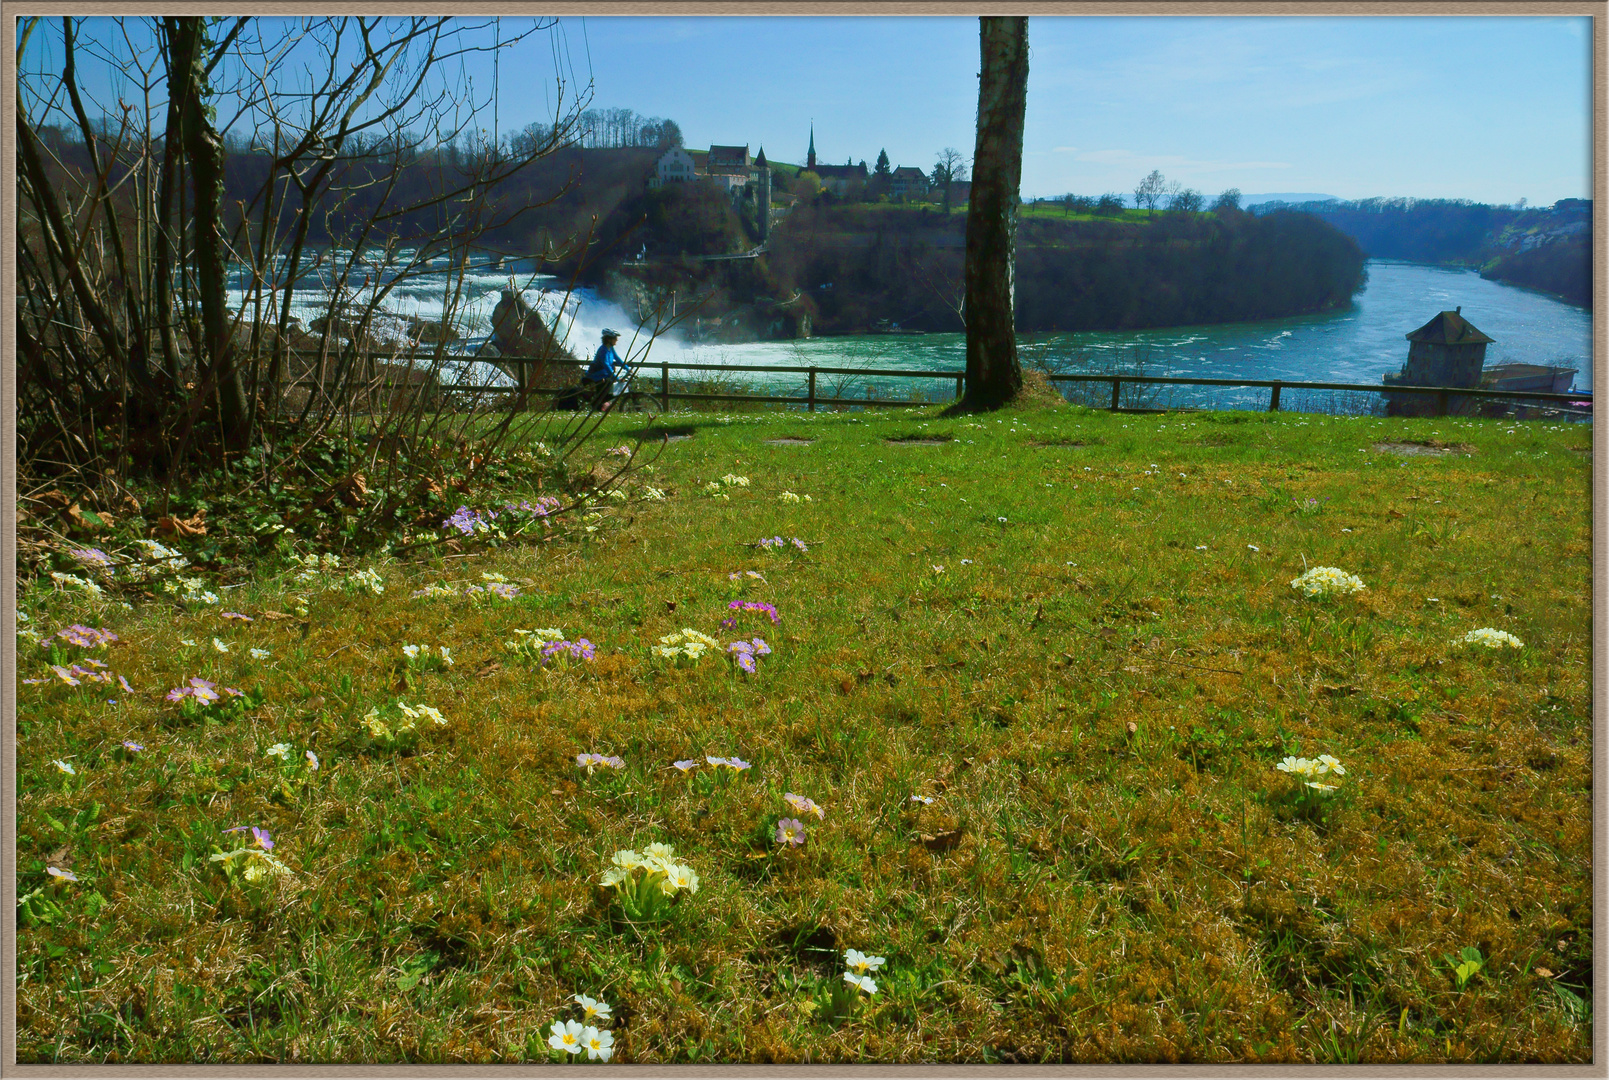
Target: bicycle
637,402
634,401
585,396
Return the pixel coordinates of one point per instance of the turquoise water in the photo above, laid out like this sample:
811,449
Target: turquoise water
1358,344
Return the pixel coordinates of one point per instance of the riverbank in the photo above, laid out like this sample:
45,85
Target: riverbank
853,269
1547,248
1037,670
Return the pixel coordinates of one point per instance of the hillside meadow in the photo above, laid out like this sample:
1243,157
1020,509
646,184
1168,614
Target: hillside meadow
1009,758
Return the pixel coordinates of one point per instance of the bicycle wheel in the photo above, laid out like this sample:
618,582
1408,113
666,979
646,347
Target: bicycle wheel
638,402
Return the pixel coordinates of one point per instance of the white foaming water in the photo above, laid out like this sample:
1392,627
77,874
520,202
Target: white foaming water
577,317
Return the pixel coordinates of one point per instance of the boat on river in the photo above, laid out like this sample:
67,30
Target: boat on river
1538,378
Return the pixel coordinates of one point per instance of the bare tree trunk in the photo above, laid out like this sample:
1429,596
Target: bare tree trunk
994,377
204,150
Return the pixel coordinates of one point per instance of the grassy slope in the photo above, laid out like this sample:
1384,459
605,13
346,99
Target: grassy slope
1095,703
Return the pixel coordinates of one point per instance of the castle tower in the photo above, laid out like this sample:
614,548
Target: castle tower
762,198
810,158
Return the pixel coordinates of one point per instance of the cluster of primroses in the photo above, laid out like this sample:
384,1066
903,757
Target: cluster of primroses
87,670
549,644
469,522
1325,581
587,1034
1312,772
253,862
496,585
386,729
791,831
1491,639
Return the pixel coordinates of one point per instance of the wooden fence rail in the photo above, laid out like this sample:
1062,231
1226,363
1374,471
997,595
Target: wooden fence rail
810,399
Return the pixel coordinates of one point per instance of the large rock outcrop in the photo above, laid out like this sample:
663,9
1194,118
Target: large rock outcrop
519,331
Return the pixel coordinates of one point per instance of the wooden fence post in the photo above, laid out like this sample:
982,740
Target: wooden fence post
1117,385
960,387
1441,403
664,387
812,394
1273,399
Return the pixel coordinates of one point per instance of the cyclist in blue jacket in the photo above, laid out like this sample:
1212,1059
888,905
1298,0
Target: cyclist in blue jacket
599,379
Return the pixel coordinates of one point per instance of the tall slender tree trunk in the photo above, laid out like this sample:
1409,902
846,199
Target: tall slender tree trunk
994,376
204,150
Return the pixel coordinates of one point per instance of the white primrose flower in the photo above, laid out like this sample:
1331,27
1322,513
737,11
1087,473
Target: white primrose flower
598,1044
595,1010
865,983
860,963
680,876
566,1036
659,853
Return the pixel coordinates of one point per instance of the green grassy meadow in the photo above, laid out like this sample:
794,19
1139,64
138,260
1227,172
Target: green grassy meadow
1037,668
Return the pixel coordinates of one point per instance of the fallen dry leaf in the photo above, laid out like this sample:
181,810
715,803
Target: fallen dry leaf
87,520
353,490
943,841
172,526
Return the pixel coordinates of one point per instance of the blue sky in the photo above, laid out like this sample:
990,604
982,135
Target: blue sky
1492,109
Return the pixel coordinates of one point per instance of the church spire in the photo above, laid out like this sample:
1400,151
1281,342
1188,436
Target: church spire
810,159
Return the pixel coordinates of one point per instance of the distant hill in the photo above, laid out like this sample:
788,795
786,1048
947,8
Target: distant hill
1547,248
1245,200
1286,197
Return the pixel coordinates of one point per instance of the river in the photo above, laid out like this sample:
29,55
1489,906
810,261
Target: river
1355,344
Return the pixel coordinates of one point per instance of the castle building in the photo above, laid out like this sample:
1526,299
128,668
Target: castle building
731,167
